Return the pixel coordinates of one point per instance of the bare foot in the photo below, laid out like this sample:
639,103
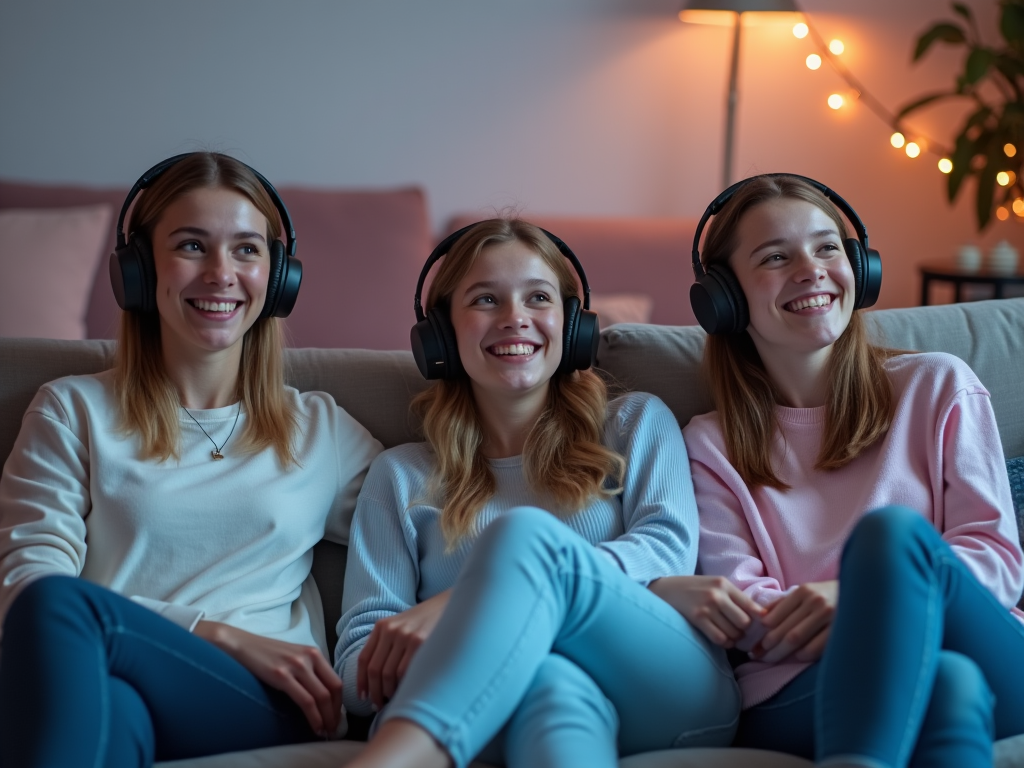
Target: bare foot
401,743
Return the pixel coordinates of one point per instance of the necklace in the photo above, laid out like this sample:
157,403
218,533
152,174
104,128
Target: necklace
215,453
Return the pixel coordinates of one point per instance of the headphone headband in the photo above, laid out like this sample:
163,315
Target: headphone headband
445,245
719,202
146,179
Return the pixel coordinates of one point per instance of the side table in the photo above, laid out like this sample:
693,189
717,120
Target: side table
950,273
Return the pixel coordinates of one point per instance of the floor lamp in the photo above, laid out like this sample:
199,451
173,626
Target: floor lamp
719,12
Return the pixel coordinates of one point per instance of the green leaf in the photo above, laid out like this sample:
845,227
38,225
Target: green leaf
963,152
978,118
987,182
1011,66
978,63
963,10
944,31
923,101
1012,23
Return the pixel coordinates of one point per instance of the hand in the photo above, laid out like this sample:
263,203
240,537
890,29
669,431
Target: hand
300,671
799,623
713,604
391,646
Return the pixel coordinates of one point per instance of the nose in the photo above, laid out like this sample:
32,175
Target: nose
514,315
807,268
219,268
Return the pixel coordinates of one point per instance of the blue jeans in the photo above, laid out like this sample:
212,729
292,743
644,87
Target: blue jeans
923,666
88,678
549,643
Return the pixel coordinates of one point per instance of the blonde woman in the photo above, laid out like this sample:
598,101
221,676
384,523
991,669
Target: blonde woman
857,494
536,515
185,490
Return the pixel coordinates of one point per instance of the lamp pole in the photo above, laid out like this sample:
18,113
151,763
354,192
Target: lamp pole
732,99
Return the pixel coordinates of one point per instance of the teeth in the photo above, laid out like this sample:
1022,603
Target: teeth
820,300
214,306
513,349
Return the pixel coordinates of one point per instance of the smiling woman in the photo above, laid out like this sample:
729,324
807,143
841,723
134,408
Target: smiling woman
176,641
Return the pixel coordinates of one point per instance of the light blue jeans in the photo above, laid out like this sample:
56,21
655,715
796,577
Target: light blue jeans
549,647
923,666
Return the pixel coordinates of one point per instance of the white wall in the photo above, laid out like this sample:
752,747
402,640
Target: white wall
589,107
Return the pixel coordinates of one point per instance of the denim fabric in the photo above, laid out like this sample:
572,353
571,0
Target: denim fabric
90,679
535,598
919,665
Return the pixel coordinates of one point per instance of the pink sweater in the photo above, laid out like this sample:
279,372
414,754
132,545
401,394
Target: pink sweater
942,456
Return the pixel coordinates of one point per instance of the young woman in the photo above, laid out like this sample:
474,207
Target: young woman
814,427
550,511
185,488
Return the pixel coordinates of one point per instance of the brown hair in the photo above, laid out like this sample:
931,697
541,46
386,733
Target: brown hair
859,400
148,400
563,456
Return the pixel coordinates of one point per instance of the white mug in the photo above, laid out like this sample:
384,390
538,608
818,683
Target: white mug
968,258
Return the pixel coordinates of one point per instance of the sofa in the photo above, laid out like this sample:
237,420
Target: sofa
361,249
376,386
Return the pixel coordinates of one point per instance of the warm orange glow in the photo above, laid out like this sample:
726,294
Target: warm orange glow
945,165
813,61
1002,214
717,18
1010,150
1018,206
837,47
912,150
800,30
835,101
1003,179
897,140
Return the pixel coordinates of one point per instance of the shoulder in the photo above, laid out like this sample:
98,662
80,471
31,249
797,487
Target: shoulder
704,436
936,375
638,417
319,409
73,399
402,471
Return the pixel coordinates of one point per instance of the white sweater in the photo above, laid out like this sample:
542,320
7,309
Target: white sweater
398,556
228,541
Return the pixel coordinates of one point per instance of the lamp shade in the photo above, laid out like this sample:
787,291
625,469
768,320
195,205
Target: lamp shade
742,6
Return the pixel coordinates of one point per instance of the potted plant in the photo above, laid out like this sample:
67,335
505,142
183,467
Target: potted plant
990,140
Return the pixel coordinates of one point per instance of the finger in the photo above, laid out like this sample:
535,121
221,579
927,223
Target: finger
374,666
815,648
362,684
809,624
333,685
745,602
713,633
303,670
776,636
736,615
780,609
403,665
307,704
389,674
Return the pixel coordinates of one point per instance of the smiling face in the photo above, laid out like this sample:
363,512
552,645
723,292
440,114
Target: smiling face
507,315
212,265
796,277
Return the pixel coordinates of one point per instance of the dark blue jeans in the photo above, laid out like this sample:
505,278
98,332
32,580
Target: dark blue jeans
89,678
923,666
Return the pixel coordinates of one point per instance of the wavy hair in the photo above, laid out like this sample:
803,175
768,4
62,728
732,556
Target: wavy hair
148,400
564,456
859,399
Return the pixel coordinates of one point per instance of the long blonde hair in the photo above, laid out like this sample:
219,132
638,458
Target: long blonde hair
859,399
148,400
563,457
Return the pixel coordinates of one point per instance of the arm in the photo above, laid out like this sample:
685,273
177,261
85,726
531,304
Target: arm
659,513
355,450
978,521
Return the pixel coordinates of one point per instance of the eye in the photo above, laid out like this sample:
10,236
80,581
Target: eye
540,296
190,246
774,258
483,300
249,250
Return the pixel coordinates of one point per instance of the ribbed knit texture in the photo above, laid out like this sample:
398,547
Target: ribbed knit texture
397,553
942,457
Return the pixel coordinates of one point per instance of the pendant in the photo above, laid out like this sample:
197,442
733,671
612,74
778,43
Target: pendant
217,455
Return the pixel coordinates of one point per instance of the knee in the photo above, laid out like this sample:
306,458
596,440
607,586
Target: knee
561,691
961,695
889,531
523,529
48,596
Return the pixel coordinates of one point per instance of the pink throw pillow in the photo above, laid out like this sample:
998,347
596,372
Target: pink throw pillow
49,259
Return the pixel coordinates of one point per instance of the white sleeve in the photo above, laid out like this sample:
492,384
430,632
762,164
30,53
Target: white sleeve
356,449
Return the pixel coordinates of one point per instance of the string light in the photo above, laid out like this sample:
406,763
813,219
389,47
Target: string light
1003,179
813,61
800,30
1001,213
835,101
1018,206
836,47
945,165
897,140
1009,150
913,149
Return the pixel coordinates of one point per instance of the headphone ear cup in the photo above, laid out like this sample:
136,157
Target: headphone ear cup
855,254
718,302
434,346
580,337
133,275
570,329
275,280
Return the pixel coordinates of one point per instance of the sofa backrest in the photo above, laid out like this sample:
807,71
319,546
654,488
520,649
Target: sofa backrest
376,387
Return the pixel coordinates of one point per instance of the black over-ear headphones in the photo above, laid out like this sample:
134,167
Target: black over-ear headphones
433,337
717,299
133,275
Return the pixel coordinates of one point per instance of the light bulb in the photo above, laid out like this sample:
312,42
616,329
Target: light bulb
800,30
837,47
912,149
813,61
897,140
945,165
835,101
1018,206
1002,214
1003,179
1010,150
